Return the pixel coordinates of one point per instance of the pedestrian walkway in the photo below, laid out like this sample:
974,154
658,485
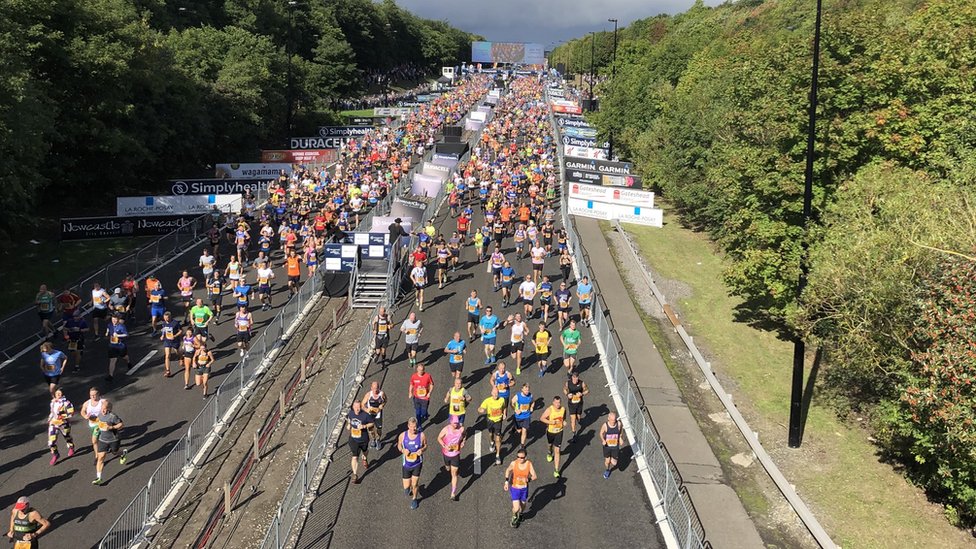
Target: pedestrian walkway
578,509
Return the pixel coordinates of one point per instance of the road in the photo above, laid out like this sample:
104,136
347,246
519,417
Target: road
579,509
155,410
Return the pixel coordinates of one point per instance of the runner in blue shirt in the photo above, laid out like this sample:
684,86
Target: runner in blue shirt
455,349
508,278
117,334
584,291
523,404
243,292
490,325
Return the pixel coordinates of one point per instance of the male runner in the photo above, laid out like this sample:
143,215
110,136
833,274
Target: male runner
473,306
575,389
359,423
527,291
242,292
455,350
517,477
157,304
495,262
243,322
75,329
570,338
117,335
494,409
215,289
412,329
201,315
584,292
382,324
44,301
523,403
519,330
418,275
412,445
419,389
545,298
489,325
542,340
457,400
373,402
554,417
294,271
265,275
538,254
507,274
451,439
109,426
612,437
100,301
169,334
563,298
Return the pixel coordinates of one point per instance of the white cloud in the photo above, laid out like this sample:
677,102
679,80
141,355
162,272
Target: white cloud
541,21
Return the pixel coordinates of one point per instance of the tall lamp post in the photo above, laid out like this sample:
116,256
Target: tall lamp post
592,58
799,347
289,94
613,75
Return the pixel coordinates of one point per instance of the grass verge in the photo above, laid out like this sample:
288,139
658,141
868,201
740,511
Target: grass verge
862,503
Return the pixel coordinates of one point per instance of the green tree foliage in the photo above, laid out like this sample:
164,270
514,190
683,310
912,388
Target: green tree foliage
107,97
711,106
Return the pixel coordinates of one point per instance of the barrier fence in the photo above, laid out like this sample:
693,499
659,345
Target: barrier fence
678,509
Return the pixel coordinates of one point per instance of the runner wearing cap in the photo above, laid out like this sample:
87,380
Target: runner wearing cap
517,477
26,525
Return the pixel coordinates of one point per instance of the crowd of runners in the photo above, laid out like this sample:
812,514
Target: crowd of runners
234,273
510,183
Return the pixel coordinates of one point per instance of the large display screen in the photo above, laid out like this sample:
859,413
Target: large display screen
507,52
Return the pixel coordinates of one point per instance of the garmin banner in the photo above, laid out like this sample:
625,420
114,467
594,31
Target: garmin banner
252,171
600,166
176,205
344,131
85,228
215,186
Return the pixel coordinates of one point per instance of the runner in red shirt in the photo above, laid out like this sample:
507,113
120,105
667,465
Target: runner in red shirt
419,256
421,386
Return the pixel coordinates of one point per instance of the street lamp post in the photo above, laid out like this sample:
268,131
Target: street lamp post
592,59
613,75
799,347
289,94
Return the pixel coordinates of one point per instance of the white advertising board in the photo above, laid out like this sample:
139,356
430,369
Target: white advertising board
653,217
585,152
591,208
251,171
612,195
176,205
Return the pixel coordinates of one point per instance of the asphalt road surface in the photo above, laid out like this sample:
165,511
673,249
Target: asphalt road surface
156,412
579,509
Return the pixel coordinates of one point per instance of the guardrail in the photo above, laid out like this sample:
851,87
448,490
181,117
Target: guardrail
676,505
300,493
21,329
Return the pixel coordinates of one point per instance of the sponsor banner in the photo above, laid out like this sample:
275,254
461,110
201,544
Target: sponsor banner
189,204
508,52
84,228
382,223
580,141
307,143
391,111
585,152
343,131
340,257
251,171
612,195
313,156
361,121
600,166
479,116
593,178
564,122
566,107
215,186
436,170
578,132
426,185
443,160
625,214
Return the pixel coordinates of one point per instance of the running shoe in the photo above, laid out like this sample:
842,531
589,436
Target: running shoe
606,474
54,458
97,482
498,460
549,458
518,371
414,504
515,521
555,474
124,457
71,452
406,492
355,479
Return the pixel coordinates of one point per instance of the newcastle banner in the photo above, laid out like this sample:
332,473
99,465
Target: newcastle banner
215,186
84,228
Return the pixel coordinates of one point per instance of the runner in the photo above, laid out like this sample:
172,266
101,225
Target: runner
419,390
120,303
527,291
233,272
418,275
213,236
570,339
575,389
519,331
489,325
545,298
517,477
44,301
494,409
443,255
523,403
117,335
454,246
186,284
243,322
554,417
242,240
519,236
473,307
91,409
130,288
109,426
100,301
412,445
455,350
26,525
265,275
373,403
58,421
207,263
457,400
508,275
171,346
359,423
215,291
542,340
451,439
503,382
382,324
565,260
496,262
203,361
538,254
74,331
612,437
563,298
200,316
479,245
242,292
188,345
152,284
412,329
584,291
157,304
67,302
311,257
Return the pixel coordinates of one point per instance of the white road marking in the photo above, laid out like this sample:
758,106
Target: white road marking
142,362
477,452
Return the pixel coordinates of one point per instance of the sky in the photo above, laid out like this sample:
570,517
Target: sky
541,21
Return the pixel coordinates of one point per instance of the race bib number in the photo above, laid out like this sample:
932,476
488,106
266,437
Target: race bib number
421,391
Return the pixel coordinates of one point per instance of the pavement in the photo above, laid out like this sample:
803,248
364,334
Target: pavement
579,509
156,412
